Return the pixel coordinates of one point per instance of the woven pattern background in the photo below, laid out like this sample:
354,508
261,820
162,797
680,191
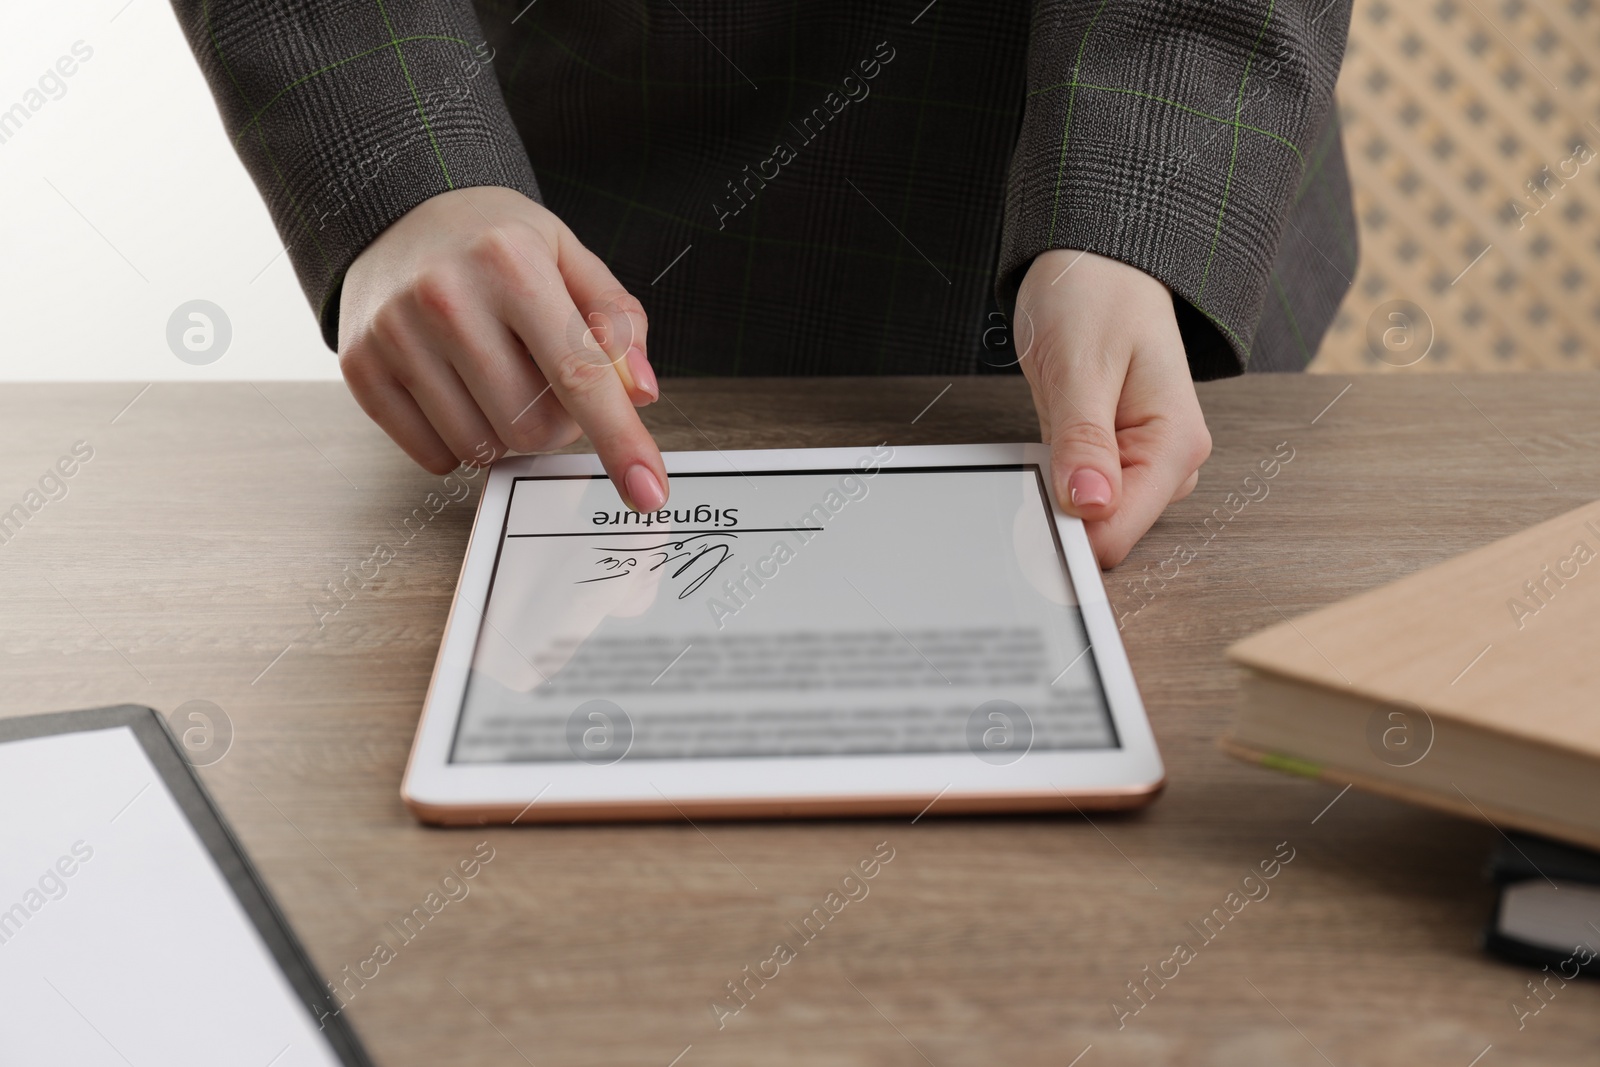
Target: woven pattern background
1475,158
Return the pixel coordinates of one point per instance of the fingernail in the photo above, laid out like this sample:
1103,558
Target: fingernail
644,492
643,376
1088,488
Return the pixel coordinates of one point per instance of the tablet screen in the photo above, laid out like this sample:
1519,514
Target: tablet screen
864,610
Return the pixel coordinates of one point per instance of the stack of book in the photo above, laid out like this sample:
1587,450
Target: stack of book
1472,687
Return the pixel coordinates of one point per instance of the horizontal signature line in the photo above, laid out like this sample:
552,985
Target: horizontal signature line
658,532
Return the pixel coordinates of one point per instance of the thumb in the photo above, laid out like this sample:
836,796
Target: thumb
1085,463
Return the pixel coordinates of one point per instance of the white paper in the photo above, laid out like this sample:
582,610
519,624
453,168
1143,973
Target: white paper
141,954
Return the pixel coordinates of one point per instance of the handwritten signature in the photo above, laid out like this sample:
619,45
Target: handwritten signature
690,550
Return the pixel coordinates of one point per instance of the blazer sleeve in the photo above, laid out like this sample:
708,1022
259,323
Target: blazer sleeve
1172,136
349,114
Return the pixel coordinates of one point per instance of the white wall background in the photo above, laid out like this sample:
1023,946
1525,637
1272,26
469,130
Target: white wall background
134,145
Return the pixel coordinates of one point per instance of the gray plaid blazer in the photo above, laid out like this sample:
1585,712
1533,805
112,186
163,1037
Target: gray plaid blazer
834,187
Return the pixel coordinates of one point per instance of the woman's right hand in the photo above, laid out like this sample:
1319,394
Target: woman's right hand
478,324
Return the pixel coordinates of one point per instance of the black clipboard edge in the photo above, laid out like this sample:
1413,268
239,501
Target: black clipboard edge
179,776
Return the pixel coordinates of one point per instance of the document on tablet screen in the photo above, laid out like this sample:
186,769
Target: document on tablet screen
781,613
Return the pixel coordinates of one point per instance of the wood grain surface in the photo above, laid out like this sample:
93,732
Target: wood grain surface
180,563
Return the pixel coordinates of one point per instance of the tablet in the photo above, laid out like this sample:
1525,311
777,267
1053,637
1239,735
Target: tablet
863,631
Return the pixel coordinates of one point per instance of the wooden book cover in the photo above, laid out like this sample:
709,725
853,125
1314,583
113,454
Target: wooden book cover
1501,644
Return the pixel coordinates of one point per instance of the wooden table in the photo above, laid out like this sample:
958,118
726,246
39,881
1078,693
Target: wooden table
180,564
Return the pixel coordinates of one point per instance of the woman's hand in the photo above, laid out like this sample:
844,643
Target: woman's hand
478,324
1100,347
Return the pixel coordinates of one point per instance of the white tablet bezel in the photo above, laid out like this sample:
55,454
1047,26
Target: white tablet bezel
729,787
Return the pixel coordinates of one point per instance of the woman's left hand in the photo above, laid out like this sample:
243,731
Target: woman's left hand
1100,347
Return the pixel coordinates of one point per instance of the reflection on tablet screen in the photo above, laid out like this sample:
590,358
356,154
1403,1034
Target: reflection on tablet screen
834,612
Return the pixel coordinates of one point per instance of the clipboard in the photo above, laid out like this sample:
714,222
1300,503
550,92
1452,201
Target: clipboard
266,1001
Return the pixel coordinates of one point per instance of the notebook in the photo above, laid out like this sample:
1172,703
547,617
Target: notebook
1472,686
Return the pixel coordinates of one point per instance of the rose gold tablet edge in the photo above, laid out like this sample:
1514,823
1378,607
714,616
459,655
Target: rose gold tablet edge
1119,798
